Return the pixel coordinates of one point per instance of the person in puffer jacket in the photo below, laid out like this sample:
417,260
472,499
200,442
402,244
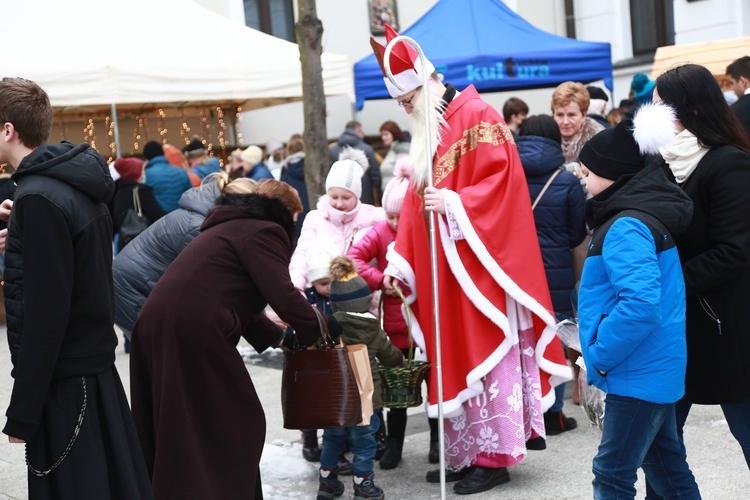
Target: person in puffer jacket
631,311
560,227
340,216
140,264
373,247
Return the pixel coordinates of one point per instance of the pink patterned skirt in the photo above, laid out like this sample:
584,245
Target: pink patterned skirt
495,425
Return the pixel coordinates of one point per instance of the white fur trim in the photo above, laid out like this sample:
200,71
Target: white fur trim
654,127
410,79
558,373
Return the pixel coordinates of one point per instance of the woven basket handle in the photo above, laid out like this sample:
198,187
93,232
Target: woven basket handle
408,319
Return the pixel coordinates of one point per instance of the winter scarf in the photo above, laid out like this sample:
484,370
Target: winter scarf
683,155
572,146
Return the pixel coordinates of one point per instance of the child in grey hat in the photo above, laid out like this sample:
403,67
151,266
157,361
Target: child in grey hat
350,300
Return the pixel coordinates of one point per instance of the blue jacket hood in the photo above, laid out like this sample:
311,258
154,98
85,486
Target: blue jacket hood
539,155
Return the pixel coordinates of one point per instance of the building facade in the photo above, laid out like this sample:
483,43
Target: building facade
634,28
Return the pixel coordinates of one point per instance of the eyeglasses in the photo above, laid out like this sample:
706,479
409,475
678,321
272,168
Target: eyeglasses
408,104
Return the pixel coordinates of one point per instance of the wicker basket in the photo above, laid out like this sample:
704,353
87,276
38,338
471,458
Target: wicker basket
402,385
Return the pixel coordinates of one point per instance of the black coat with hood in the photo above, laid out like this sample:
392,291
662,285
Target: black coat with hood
58,276
139,265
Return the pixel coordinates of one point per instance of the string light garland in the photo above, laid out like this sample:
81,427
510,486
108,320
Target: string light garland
238,120
161,125
184,128
137,133
110,126
88,133
222,132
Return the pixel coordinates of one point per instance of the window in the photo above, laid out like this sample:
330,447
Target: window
651,25
275,17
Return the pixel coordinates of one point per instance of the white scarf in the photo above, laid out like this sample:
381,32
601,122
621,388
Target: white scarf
683,155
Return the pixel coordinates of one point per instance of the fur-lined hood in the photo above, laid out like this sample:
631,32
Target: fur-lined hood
251,206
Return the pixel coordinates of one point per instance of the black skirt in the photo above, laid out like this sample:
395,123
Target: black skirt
106,461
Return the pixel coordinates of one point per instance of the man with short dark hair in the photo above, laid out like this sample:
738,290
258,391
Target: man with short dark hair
739,76
67,403
515,112
353,136
167,181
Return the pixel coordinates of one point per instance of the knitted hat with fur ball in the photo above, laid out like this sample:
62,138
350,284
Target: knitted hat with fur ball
346,174
349,292
395,190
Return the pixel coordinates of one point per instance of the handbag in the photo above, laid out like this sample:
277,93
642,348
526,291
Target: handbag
133,222
318,387
359,358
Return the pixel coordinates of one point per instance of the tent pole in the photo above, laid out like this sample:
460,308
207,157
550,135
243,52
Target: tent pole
433,240
115,130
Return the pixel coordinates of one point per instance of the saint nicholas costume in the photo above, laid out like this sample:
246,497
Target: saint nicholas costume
500,359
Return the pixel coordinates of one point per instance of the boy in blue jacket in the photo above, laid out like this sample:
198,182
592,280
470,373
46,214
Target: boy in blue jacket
632,317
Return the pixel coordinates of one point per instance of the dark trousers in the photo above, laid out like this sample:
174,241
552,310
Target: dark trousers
641,434
738,419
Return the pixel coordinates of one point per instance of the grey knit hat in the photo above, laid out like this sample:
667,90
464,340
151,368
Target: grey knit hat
349,292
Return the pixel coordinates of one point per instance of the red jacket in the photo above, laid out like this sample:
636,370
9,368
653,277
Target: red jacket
373,246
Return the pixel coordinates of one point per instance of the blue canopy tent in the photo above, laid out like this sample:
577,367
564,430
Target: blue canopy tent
484,43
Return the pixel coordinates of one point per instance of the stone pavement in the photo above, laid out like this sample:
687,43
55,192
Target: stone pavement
563,471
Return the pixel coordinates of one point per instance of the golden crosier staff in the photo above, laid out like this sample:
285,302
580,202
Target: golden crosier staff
433,234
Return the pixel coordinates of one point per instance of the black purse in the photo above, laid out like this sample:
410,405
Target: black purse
318,388
133,222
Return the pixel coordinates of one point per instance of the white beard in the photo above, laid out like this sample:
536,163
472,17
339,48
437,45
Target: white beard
421,158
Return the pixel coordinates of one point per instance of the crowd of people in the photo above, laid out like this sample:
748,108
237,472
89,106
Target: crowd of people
629,222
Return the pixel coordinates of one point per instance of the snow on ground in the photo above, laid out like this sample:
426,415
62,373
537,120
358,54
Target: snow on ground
285,473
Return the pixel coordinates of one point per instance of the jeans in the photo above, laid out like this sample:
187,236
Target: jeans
641,434
557,406
738,418
361,440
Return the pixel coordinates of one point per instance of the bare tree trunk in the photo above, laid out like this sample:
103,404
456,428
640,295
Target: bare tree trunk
309,31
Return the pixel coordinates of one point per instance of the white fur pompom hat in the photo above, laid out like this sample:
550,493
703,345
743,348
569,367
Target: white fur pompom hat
348,171
654,127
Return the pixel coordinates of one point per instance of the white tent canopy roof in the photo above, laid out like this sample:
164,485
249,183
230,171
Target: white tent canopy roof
102,52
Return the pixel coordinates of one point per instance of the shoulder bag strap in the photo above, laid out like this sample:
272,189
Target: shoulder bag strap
323,324
544,189
137,202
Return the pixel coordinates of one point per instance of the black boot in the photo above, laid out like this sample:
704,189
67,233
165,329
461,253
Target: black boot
556,423
310,448
434,455
392,455
395,442
380,437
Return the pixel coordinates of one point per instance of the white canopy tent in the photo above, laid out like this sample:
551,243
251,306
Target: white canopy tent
90,54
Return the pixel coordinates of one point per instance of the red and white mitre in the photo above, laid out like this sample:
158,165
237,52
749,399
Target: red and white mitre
404,63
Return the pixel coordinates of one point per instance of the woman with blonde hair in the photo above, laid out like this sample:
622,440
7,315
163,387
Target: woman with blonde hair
570,103
199,419
139,265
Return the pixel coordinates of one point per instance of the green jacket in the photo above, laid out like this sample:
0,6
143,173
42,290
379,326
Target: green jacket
365,329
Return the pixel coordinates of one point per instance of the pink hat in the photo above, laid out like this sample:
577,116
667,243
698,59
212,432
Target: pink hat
404,62
395,190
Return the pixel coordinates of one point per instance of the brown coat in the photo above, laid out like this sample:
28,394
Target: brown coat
200,422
